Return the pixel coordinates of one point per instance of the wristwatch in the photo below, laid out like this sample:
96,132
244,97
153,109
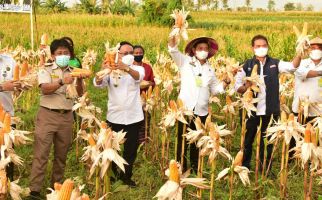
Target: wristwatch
61,83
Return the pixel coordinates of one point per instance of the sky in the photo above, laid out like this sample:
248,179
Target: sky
279,4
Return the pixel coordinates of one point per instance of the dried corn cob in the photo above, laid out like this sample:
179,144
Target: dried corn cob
239,159
66,190
16,73
307,134
174,172
7,123
24,69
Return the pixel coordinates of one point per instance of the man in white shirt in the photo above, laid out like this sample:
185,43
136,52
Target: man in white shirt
308,84
7,86
124,105
268,105
308,80
198,82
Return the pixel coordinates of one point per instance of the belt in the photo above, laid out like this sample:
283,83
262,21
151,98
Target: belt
61,111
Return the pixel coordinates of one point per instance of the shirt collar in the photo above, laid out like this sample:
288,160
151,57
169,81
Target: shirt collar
196,61
55,66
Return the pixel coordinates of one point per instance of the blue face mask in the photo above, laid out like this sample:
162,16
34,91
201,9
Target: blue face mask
62,60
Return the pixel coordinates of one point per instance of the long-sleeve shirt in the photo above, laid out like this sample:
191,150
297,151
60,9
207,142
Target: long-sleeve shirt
283,67
197,82
7,64
308,87
124,102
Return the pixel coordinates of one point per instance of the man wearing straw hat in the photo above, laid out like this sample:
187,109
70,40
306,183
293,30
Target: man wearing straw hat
198,82
308,85
269,103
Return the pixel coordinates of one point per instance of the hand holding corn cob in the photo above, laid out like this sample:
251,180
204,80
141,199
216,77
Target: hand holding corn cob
181,24
303,40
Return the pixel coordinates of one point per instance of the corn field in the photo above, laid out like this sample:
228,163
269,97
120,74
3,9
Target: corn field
219,176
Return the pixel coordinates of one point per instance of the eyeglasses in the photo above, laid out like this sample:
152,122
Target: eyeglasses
126,53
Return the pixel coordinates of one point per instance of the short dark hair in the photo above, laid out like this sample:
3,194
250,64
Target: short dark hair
259,37
71,43
205,40
138,47
125,43
55,44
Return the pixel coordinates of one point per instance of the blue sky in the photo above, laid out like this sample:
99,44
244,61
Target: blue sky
257,3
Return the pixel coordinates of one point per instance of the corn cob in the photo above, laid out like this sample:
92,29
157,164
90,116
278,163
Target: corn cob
24,69
91,140
3,182
254,71
81,72
85,197
291,117
239,159
2,113
44,39
174,172
7,123
16,73
179,21
228,100
283,116
307,134
66,190
57,186
2,136
173,105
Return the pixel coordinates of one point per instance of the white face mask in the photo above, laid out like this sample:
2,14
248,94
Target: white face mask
261,52
316,54
128,59
202,55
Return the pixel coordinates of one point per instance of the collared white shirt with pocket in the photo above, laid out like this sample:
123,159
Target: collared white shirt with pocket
195,97
308,87
283,67
124,101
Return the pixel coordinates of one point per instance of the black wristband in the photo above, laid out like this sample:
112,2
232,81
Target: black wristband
61,83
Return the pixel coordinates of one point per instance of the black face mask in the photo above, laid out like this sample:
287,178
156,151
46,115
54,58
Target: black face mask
138,58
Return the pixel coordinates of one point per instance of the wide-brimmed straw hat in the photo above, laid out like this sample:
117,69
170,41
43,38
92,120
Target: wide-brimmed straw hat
213,46
316,40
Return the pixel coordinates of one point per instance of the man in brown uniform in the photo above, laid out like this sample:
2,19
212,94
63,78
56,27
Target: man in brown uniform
54,123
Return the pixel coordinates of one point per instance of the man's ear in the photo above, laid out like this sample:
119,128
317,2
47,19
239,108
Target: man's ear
193,50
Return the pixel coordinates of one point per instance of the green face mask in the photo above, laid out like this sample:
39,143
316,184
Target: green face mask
62,60
74,63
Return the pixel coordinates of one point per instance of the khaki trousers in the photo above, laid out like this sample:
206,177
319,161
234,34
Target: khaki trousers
51,128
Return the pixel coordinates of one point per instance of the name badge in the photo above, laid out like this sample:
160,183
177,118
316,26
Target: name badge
320,82
54,76
198,81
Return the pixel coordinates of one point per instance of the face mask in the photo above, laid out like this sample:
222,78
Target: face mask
128,59
201,55
138,58
261,52
316,54
62,60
